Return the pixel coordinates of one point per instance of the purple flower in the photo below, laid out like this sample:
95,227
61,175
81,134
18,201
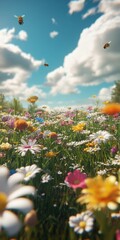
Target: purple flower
114,150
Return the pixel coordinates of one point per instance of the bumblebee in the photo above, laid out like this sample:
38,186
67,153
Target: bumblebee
20,19
106,45
46,64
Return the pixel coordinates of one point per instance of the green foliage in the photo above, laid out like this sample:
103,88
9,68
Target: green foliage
115,97
16,105
3,103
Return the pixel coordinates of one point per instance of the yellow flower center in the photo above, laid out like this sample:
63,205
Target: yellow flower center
82,224
28,174
101,137
3,201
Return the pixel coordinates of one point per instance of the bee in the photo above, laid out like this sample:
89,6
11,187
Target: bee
46,64
20,19
106,45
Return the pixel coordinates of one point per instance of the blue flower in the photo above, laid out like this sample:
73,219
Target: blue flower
40,120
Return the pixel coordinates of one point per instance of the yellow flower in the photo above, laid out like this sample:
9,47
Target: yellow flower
91,144
5,146
106,102
51,154
94,96
101,193
79,127
32,99
3,130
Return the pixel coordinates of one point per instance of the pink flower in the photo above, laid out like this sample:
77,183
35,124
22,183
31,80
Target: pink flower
76,179
118,235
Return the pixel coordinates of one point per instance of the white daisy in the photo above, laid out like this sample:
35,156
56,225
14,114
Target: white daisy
29,171
100,136
28,146
11,192
82,222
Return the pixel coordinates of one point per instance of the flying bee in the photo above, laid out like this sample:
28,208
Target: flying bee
46,64
106,45
20,19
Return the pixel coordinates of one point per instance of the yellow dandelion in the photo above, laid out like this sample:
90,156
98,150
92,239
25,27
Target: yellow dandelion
101,193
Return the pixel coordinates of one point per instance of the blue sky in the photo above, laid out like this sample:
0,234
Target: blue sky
69,36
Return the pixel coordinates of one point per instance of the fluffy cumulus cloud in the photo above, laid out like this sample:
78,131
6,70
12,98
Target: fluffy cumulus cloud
89,63
105,93
16,66
76,6
53,34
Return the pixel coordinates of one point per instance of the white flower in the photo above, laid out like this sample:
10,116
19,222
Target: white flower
11,192
77,143
30,146
100,136
82,222
29,171
46,178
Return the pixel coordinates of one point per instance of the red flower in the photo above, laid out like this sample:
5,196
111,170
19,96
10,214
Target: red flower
118,235
76,179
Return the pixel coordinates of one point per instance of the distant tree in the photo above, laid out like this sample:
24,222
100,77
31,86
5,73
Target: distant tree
16,105
115,96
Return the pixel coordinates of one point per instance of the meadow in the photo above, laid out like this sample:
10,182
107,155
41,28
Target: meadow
59,174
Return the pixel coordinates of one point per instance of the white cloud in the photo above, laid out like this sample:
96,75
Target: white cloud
22,35
105,93
89,63
16,67
109,6
6,35
53,34
76,6
91,11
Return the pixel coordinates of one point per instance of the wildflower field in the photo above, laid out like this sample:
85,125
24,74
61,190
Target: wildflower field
59,174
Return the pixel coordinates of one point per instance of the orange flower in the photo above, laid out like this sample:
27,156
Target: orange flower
32,99
21,124
111,108
53,135
51,154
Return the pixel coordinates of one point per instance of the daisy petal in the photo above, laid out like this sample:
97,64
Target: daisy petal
10,223
21,191
22,204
